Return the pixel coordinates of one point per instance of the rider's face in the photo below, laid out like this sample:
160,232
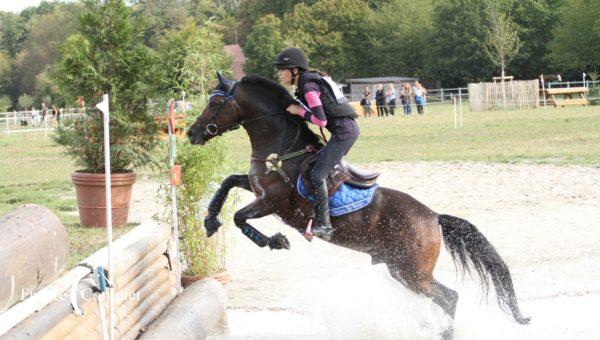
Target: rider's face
285,76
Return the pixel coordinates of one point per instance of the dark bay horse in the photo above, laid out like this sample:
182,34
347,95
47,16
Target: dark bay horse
395,228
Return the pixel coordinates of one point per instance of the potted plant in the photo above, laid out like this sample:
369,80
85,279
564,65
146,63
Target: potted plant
107,55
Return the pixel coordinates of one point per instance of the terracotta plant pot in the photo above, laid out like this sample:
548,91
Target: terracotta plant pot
91,199
224,277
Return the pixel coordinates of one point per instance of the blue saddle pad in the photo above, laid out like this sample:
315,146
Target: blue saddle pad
345,200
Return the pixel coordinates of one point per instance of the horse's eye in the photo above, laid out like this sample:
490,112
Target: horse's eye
212,104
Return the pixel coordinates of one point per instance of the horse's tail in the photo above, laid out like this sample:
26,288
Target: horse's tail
465,242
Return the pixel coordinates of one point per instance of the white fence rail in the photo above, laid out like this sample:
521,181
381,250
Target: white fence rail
33,121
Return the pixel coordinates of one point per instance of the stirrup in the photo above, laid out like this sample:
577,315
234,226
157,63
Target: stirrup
323,232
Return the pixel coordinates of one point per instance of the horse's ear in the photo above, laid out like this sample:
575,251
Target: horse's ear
222,80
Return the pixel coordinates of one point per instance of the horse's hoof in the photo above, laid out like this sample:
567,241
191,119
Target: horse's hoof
211,225
279,241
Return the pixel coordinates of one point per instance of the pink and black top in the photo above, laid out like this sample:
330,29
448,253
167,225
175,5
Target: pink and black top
342,127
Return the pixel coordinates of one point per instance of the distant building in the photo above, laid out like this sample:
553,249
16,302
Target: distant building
238,60
357,85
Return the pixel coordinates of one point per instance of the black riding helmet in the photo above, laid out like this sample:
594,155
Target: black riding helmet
291,57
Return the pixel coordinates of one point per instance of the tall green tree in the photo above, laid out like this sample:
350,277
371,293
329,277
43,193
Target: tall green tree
535,21
40,48
25,101
250,11
108,56
576,43
403,31
262,46
336,35
503,41
14,31
5,103
5,72
160,16
457,54
190,58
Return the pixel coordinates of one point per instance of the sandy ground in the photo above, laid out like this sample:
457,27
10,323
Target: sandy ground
542,219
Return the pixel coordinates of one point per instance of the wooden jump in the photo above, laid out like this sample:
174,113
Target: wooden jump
567,93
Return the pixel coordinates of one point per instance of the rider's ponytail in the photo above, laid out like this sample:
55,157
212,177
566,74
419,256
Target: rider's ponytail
316,70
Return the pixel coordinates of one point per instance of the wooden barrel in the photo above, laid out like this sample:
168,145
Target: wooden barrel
34,249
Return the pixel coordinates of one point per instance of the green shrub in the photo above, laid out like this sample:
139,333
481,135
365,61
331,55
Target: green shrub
202,169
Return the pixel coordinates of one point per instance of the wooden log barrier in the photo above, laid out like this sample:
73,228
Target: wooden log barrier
192,315
34,249
139,261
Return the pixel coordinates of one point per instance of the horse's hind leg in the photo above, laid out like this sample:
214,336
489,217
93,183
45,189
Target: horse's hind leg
415,258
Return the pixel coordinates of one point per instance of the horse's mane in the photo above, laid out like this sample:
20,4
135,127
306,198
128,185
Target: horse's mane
285,99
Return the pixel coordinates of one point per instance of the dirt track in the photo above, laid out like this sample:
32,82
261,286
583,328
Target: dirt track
543,220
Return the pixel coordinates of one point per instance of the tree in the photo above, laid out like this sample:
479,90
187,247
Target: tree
25,101
250,11
502,41
160,16
335,34
402,34
5,72
108,56
535,21
190,58
14,31
262,46
40,48
5,103
576,43
457,51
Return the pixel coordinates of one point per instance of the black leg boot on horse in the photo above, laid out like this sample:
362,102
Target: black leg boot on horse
322,226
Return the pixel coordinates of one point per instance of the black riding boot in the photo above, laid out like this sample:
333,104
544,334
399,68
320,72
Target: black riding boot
322,226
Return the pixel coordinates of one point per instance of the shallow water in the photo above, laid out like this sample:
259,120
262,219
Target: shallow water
542,219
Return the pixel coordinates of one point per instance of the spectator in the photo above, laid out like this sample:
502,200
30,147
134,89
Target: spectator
44,112
390,98
34,117
405,95
365,102
58,113
81,104
420,92
54,111
380,101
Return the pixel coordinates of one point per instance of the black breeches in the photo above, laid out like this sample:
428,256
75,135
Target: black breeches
328,157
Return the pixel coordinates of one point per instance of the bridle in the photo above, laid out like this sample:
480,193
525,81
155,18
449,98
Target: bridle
229,96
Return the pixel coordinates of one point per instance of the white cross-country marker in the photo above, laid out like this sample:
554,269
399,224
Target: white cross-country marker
103,105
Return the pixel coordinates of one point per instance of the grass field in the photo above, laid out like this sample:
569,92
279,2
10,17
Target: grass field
563,136
34,170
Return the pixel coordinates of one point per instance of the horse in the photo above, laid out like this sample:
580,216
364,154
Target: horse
394,228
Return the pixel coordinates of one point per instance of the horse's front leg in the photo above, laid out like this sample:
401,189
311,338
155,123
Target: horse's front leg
211,222
257,209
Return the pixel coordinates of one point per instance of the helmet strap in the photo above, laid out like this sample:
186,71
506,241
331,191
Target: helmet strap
294,74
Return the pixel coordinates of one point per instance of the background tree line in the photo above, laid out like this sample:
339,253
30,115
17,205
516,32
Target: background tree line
444,40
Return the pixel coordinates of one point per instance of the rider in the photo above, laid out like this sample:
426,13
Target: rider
329,109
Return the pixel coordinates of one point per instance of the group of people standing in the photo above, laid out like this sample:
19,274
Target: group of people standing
385,100
37,119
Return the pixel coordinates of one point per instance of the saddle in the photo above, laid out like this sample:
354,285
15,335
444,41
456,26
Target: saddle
343,172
